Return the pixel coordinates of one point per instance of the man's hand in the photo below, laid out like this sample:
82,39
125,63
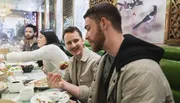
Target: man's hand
55,80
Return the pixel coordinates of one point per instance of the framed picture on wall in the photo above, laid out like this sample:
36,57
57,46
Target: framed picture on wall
144,19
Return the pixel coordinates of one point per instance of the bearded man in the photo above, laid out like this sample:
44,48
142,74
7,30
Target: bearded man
30,42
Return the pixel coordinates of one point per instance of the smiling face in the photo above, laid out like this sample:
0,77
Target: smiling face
41,40
29,33
74,43
94,35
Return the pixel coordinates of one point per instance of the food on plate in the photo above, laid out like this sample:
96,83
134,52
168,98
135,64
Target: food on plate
8,66
51,97
1,87
4,70
63,65
15,68
15,71
41,83
43,99
10,73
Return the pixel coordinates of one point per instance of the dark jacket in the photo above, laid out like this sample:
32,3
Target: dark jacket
135,76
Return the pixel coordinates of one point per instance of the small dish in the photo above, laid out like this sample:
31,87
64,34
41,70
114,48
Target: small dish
46,97
27,68
15,78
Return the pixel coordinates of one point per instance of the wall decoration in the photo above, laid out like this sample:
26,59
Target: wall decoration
144,19
94,2
30,18
68,13
172,29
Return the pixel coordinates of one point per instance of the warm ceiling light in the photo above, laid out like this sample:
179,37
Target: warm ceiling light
4,11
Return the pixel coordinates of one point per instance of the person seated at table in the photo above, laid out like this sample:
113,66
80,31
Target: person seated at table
30,40
49,51
81,68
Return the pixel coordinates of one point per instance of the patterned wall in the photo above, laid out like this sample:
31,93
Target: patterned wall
172,32
94,2
67,13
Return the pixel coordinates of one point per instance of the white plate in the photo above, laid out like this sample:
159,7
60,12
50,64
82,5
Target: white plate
3,86
47,97
21,78
14,78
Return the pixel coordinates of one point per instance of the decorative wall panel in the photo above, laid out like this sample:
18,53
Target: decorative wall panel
94,2
172,29
67,13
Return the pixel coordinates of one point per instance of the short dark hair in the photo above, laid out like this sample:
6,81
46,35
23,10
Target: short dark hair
106,10
50,36
71,29
31,26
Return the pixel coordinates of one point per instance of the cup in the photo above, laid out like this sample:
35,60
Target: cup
64,99
15,86
26,93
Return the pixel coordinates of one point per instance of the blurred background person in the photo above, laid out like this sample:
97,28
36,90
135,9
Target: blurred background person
30,40
3,37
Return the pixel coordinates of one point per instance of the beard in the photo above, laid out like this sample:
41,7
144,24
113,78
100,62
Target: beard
99,40
29,37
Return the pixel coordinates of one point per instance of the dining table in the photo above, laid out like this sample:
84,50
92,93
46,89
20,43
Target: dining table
35,74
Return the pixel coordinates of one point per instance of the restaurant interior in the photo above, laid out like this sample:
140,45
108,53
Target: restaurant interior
163,30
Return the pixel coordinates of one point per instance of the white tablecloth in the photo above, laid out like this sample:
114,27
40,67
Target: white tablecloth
35,74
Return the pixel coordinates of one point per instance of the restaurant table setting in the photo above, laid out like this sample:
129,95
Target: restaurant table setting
27,87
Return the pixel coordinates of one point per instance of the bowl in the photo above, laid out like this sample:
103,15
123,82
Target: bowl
27,68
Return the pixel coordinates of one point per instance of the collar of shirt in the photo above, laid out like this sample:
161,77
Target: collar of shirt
85,55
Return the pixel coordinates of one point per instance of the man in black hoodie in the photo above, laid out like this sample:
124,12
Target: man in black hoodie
135,75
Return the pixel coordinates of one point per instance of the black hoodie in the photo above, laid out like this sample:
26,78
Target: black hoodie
133,49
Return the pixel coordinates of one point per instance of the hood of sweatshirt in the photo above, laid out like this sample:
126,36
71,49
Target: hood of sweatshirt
133,49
